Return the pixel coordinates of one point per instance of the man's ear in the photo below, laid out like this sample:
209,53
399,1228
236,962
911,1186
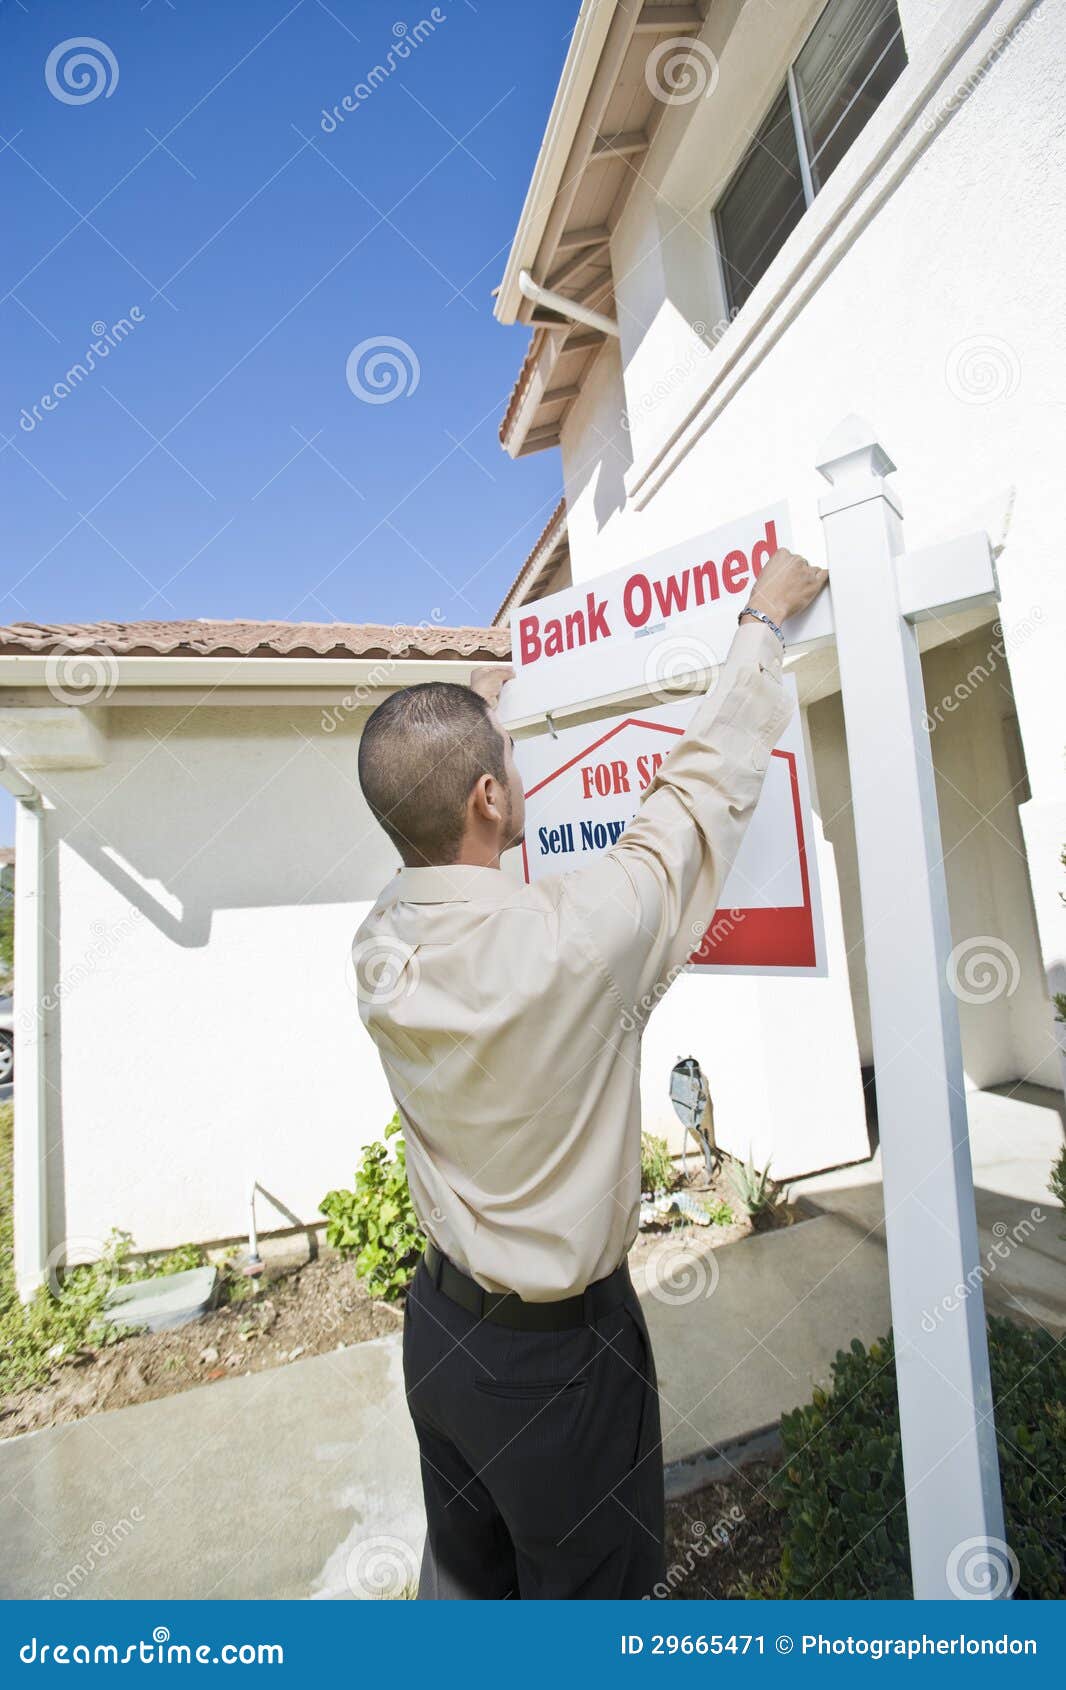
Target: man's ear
485,799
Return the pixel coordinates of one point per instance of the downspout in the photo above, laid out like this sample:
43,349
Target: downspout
30,1200
565,307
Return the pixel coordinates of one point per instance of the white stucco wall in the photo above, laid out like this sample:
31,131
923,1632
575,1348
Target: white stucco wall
940,321
204,886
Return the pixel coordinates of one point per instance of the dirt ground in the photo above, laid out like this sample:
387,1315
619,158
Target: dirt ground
725,1541
298,1309
293,1311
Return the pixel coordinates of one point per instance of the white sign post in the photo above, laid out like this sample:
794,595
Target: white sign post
951,1470
878,593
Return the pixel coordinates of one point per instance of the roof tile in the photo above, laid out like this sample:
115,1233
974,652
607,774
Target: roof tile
254,639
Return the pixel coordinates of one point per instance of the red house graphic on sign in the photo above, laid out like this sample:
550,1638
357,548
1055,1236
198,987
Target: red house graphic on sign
746,933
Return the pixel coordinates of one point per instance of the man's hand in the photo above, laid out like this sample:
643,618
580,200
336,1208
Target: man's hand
490,681
786,586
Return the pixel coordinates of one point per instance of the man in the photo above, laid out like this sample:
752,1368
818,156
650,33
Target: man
508,1019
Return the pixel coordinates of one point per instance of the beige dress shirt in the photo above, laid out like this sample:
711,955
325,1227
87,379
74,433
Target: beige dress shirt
509,1017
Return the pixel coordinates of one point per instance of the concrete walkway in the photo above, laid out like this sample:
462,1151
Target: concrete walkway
303,1481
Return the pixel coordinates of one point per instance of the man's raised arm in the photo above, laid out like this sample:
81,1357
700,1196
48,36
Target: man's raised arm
647,903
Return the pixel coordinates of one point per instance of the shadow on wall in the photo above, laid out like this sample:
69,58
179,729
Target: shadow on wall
599,422
221,808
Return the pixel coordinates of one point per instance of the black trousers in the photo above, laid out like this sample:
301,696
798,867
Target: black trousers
541,1452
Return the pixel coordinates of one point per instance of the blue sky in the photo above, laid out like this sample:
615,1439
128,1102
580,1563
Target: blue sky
217,462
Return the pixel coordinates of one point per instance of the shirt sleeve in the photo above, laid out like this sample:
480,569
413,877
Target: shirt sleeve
646,904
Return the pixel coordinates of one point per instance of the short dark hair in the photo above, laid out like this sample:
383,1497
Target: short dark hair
421,754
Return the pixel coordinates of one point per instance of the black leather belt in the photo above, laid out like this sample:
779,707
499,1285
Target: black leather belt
507,1308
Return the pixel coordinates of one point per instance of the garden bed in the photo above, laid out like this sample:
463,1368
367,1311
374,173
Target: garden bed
302,1309
725,1541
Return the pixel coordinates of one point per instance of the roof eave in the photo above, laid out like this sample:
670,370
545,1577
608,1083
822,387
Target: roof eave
582,61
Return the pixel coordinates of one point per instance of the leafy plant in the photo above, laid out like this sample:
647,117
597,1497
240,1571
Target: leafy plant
375,1221
657,1171
755,1191
841,1482
718,1212
37,1336
1057,1182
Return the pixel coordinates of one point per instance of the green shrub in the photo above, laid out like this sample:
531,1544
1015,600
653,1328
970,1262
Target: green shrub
718,1211
375,1221
1057,1182
841,1482
37,1336
657,1171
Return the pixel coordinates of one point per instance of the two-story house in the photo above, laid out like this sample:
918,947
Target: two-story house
748,219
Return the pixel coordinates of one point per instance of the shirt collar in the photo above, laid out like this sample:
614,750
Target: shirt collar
449,883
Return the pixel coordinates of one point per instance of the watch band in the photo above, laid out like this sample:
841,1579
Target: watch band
762,616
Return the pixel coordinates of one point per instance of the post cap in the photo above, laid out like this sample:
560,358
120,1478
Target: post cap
852,446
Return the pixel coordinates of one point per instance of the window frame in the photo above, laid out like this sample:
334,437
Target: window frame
810,192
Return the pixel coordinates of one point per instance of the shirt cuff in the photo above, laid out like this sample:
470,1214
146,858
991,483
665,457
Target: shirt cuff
753,642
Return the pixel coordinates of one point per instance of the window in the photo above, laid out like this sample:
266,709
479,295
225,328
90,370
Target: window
850,60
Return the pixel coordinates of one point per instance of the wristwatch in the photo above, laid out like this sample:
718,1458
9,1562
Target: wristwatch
762,617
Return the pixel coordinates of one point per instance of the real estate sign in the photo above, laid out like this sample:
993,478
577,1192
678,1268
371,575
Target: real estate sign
641,632
585,785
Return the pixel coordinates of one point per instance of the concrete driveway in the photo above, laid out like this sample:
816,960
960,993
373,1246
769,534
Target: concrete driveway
303,1481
